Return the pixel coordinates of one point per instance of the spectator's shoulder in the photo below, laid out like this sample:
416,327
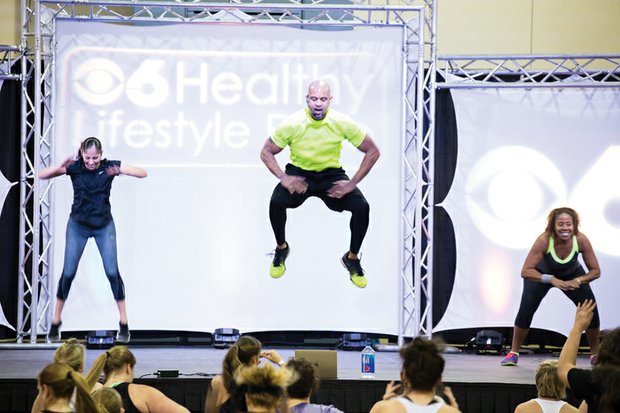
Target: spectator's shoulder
388,406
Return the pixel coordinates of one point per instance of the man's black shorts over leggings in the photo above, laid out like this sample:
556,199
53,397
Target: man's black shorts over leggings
318,184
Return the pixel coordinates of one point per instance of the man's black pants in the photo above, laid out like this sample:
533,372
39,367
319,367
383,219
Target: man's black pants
318,184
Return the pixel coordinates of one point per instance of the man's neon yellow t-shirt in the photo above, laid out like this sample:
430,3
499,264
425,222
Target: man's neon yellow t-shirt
316,144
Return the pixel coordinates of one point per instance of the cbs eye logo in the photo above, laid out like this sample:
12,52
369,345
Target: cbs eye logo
508,191
100,82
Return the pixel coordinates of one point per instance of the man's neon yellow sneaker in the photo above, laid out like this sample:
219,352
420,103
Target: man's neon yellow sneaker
278,268
359,280
356,273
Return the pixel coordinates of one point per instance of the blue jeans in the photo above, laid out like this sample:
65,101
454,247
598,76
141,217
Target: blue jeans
105,237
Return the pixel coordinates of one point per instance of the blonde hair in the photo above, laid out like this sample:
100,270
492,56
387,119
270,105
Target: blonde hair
547,382
112,360
108,400
71,353
62,380
263,386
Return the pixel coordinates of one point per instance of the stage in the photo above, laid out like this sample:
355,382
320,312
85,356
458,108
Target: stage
479,383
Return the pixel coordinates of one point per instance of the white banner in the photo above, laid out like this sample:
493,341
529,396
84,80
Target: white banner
193,104
522,153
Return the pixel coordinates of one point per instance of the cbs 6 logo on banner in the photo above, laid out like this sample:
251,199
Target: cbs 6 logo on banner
511,189
101,82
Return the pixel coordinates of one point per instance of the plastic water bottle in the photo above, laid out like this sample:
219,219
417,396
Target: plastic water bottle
368,363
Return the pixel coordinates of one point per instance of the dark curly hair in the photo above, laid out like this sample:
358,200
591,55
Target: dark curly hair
608,377
609,352
306,378
422,364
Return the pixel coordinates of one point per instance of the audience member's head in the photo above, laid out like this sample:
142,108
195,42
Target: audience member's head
548,383
245,352
118,358
57,383
609,352
71,353
115,360
422,364
264,387
609,378
108,400
606,372
305,380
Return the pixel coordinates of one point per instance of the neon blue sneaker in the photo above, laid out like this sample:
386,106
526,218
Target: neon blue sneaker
511,359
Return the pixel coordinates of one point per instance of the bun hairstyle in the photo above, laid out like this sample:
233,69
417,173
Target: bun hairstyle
263,386
71,353
108,400
62,381
422,364
239,354
88,143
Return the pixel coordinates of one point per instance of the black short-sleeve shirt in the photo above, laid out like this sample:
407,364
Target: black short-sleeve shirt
91,193
584,387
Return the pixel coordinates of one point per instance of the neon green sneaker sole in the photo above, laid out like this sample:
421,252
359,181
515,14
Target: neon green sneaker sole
511,359
277,272
359,281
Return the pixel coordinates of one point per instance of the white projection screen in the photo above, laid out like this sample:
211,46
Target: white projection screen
193,104
520,154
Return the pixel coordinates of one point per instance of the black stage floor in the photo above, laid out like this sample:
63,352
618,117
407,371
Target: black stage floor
478,381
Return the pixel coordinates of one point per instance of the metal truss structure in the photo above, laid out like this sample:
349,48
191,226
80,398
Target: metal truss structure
8,56
34,286
420,68
39,17
531,71
418,306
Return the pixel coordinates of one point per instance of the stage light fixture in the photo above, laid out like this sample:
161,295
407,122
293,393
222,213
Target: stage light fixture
354,341
488,341
100,339
225,337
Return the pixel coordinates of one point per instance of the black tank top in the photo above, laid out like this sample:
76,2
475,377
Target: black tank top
123,390
565,269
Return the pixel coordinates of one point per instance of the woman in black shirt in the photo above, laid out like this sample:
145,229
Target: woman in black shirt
91,216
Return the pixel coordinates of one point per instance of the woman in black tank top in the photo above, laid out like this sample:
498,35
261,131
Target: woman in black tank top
553,262
117,365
